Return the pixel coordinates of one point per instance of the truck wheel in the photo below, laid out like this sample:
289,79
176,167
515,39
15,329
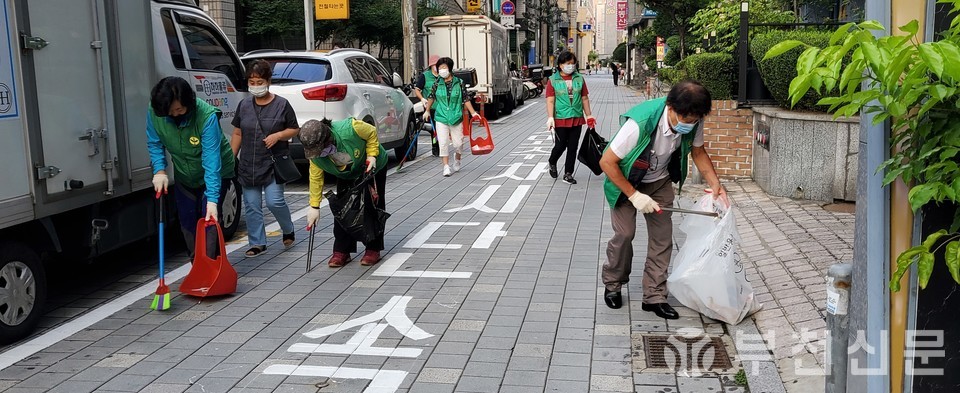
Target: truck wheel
23,291
508,104
411,137
492,110
232,205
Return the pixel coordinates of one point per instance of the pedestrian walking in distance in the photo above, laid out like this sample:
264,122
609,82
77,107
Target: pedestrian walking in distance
648,153
188,128
448,97
616,73
263,125
568,102
332,148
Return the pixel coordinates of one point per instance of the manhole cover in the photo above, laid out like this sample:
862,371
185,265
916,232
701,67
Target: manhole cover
677,352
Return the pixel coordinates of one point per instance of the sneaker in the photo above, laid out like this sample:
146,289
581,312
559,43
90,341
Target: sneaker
456,166
553,171
370,258
339,259
446,171
568,178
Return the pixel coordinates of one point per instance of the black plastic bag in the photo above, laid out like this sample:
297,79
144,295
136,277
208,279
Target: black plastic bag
591,149
357,213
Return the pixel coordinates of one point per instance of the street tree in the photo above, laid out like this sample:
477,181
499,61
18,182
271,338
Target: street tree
675,15
274,20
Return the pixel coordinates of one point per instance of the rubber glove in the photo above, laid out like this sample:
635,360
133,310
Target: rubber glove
211,211
643,203
550,123
313,215
371,163
160,182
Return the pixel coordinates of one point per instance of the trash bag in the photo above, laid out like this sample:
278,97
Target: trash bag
357,213
209,277
591,149
708,275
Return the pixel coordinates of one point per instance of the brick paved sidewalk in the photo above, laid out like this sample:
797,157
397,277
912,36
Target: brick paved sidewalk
491,283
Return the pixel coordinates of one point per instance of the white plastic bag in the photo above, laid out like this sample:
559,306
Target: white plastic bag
707,275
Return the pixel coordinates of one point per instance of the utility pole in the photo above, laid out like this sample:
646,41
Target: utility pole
409,22
308,23
571,24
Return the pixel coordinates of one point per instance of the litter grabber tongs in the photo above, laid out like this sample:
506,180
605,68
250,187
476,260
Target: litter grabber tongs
686,211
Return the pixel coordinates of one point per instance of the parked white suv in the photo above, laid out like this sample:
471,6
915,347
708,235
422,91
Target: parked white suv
339,84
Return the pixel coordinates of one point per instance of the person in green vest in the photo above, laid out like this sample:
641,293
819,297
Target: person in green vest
648,153
347,149
425,82
188,128
449,94
568,102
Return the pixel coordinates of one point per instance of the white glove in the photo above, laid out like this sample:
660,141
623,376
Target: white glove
371,163
160,182
644,203
426,115
550,123
313,215
211,211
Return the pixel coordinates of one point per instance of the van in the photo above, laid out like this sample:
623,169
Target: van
75,80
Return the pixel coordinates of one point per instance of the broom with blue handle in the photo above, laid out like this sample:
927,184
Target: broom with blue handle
161,299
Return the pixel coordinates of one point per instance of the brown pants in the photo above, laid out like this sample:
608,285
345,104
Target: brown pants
616,271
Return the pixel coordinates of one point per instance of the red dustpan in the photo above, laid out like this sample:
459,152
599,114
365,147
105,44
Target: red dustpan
481,142
209,277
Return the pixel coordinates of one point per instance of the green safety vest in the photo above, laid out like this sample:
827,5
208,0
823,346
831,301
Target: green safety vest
563,106
185,145
428,80
448,104
349,142
647,115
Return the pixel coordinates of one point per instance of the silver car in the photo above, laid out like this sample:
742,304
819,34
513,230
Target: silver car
339,84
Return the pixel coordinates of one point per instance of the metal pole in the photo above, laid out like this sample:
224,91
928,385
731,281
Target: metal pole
308,24
409,22
839,277
744,47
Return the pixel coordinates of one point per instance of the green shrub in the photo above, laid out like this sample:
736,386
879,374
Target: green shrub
715,71
777,72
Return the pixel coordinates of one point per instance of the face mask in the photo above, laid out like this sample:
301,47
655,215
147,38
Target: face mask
328,150
569,68
340,158
178,120
259,91
683,128
444,73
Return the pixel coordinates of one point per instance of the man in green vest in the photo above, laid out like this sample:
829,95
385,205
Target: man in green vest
348,149
643,158
425,82
188,128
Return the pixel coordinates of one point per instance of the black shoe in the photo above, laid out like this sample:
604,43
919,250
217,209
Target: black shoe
663,310
289,238
568,178
613,298
553,171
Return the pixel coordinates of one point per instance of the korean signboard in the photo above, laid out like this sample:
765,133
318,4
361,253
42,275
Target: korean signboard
332,9
621,15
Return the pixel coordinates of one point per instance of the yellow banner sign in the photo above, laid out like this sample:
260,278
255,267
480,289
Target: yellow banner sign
473,6
332,9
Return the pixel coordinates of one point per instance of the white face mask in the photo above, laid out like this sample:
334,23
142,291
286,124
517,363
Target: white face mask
259,91
568,68
444,73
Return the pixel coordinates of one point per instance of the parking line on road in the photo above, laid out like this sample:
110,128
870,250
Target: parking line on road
37,344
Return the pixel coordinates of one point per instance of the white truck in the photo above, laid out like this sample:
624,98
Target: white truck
75,80
475,41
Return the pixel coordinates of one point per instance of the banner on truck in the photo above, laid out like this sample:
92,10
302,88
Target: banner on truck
621,15
332,9
8,98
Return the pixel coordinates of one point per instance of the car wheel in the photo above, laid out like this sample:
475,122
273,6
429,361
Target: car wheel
232,205
522,97
23,291
412,136
509,104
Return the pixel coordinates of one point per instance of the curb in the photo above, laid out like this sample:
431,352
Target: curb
757,363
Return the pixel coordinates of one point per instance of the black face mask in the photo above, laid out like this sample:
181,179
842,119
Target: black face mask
178,120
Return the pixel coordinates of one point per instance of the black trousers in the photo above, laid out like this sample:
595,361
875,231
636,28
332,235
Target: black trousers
566,139
616,77
342,241
191,207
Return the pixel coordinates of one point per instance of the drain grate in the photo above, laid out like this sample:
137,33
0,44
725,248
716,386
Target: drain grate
676,352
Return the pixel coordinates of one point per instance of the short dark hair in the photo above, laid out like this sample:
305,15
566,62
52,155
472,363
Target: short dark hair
689,97
565,57
445,61
260,68
170,89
